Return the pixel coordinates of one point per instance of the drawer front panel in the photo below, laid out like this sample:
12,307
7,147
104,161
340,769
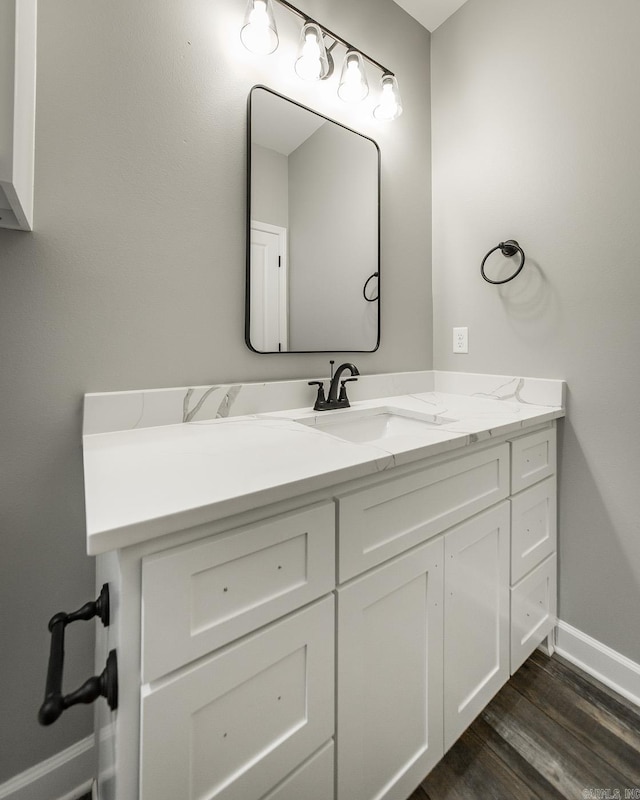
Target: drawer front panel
238,723
381,522
312,781
199,597
533,527
533,458
533,611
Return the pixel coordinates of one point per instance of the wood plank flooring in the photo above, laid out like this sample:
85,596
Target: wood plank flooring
552,733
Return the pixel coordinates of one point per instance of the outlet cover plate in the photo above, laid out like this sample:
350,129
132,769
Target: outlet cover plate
461,340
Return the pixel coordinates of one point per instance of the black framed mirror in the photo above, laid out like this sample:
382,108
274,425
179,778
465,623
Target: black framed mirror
313,231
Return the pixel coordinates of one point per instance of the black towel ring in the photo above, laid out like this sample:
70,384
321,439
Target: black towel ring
508,248
364,289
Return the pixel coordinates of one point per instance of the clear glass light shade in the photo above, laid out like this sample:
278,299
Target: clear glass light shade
312,63
390,106
353,81
259,33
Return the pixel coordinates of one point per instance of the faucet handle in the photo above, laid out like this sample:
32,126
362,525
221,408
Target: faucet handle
320,399
343,390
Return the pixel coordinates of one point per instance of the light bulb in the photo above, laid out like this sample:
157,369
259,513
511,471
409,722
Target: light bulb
353,82
312,64
259,33
390,106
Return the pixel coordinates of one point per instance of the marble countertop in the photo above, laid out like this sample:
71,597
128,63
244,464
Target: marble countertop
145,482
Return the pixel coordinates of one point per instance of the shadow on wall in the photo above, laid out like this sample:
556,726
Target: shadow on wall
530,294
530,297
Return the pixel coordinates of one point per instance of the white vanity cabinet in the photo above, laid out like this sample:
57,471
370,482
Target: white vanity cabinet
334,646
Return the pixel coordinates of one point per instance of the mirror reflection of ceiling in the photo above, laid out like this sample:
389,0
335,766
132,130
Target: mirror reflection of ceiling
283,131
430,13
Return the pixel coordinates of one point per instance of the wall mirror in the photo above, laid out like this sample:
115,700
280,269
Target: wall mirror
313,231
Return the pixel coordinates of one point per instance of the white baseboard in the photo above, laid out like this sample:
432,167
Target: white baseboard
66,776
606,665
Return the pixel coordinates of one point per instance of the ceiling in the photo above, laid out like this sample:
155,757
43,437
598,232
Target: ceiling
430,13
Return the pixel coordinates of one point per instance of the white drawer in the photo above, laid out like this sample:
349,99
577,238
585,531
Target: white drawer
533,527
533,611
198,597
312,781
533,458
237,723
380,522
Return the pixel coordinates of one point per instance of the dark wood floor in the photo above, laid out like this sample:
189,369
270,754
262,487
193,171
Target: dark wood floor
552,733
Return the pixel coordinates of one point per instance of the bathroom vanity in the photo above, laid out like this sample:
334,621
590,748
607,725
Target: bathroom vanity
315,605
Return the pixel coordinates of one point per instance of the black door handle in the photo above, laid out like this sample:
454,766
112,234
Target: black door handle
104,685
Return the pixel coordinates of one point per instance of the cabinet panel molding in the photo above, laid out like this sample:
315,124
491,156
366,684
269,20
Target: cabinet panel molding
377,523
389,725
312,781
533,611
198,597
533,527
533,458
476,617
239,722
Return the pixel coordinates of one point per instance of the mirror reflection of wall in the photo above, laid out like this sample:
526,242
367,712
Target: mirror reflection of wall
314,231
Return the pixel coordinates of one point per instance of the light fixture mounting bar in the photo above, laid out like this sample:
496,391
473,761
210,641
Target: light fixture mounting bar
333,35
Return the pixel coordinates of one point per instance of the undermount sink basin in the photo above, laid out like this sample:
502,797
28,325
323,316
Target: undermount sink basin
375,424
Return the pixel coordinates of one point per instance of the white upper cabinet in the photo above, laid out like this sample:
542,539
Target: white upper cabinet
17,112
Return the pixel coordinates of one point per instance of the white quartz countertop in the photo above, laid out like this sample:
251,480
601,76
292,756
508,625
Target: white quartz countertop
147,482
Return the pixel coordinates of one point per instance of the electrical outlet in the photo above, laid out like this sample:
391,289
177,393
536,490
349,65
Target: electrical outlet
461,340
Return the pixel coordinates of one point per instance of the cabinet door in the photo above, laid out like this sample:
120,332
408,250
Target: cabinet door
476,617
390,677
232,726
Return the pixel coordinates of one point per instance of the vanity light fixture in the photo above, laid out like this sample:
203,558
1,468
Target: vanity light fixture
260,35
390,106
353,82
313,62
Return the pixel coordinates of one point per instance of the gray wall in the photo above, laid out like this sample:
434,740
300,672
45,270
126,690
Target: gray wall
536,124
134,276
333,240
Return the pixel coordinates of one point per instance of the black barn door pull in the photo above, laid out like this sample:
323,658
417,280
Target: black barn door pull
104,685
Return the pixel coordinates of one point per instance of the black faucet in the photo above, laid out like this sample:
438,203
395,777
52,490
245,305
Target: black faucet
335,400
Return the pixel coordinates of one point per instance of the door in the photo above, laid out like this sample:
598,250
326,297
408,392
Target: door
389,730
268,299
476,617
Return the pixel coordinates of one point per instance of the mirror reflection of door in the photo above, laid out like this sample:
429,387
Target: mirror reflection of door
269,287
